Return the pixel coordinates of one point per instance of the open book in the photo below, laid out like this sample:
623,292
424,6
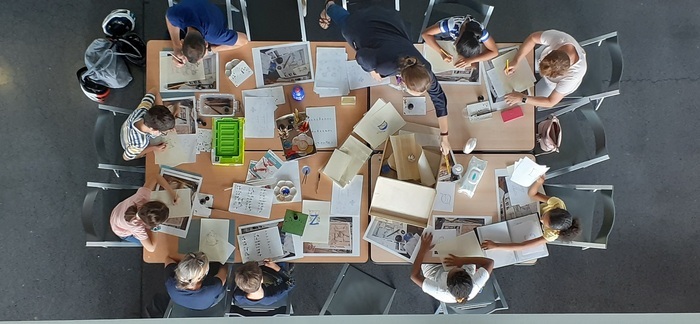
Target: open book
513,231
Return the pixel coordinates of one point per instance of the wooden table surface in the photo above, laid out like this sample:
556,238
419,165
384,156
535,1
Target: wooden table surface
491,135
483,203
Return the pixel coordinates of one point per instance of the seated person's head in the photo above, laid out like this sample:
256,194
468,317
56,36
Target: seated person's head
561,220
468,44
459,284
152,213
414,75
193,46
249,277
191,271
555,64
159,119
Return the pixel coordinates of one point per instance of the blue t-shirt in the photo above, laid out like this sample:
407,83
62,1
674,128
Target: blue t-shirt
210,293
450,27
276,286
206,18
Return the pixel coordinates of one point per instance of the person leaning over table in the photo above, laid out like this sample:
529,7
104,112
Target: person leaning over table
205,28
458,285
195,283
467,35
150,120
383,49
133,218
562,67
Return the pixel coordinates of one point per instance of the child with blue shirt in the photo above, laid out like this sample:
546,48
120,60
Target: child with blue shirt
261,285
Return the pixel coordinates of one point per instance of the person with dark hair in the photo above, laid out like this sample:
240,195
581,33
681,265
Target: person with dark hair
461,283
384,49
133,218
261,285
562,66
467,35
557,223
205,28
150,120
195,283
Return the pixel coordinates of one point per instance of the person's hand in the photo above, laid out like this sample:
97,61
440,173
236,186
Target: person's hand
540,180
446,57
178,57
453,261
271,264
175,197
514,98
463,62
161,147
489,245
445,147
376,76
511,68
426,241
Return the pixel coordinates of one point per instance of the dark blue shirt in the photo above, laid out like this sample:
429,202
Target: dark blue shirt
380,39
276,286
206,18
210,293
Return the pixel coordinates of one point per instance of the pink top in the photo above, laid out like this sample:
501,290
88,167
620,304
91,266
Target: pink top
135,227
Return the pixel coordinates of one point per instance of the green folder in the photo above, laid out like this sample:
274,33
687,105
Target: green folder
294,222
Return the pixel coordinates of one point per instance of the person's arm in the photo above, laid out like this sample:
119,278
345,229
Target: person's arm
491,245
525,48
164,183
241,40
429,38
534,191
169,261
425,245
455,261
515,98
149,243
440,102
174,32
222,274
490,52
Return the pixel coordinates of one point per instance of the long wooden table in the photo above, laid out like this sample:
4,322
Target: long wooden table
218,178
491,135
346,116
483,203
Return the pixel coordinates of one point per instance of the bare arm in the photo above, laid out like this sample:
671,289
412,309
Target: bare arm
444,140
164,183
534,191
527,46
490,51
515,98
241,41
149,243
429,38
490,245
416,273
169,261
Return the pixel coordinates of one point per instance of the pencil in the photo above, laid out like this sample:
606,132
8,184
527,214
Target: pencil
447,162
507,64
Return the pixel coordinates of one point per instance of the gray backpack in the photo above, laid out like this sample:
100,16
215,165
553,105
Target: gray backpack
104,65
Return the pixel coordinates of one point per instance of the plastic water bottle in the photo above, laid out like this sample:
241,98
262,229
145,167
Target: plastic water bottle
298,93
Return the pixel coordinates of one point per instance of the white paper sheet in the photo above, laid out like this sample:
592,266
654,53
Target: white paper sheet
498,233
259,117
203,140
517,193
348,200
527,171
318,223
249,200
466,245
183,208
436,62
174,74
381,121
331,77
527,228
323,126
180,149
521,80
260,245
414,106
358,78
275,92
213,237
445,197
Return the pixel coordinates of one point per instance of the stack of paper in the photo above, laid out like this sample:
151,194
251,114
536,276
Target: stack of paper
213,239
331,79
526,172
381,121
275,92
259,117
359,78
346,161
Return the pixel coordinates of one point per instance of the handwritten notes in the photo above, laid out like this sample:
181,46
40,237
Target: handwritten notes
347,201
323,127
259,117
331,80
260,245
527,171
318,223
275,92
358,78
249,200
445,197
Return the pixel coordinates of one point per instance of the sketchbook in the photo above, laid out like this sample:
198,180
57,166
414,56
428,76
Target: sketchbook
513,231
183,207
179,179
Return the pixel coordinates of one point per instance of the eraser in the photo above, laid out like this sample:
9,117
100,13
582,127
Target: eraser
348,101
512,113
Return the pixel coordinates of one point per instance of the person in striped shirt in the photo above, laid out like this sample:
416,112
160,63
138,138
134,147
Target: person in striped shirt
150,120
467,34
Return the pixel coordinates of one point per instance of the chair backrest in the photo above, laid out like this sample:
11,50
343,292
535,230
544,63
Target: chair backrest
358,293
583,142
282,307
276,17
107,143
594,206
481,12
349,4
217,310
489,300
95,216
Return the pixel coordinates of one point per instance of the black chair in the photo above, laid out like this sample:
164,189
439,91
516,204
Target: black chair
489,300
97,210
357,293
274,20
448,8
282,307
107,143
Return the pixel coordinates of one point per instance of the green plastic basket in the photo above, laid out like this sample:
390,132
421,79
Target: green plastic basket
229,144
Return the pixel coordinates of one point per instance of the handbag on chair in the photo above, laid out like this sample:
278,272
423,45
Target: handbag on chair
549,135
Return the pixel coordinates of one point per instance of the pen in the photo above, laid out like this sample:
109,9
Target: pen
507,64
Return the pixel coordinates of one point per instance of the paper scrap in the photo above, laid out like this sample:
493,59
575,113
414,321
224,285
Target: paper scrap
358,78
250,200
260,245
445,197
240,72
183,207
348,200
213,237
318,223
323,126
275,92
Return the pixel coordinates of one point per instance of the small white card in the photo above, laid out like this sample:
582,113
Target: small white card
239,73
414,106
445,197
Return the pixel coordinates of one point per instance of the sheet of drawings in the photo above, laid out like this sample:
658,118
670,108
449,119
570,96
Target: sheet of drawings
358,78
275,92
348,200
506,210
331,78
445,197
398,238
173,74
259,117
201,76
179,149
250,200
343,239
213,239
260,245
204,140
462,224
323,126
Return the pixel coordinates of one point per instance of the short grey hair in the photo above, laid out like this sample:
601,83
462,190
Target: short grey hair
191,270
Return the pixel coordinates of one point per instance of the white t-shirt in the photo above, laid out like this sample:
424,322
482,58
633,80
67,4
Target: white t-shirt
568,83
437,287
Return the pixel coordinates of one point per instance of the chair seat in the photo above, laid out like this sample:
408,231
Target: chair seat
357,293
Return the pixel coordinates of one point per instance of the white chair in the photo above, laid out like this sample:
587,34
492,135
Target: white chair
273,17
594,206
107,143
481,12
489,300
95,217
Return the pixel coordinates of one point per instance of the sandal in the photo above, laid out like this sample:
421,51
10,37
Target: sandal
325,21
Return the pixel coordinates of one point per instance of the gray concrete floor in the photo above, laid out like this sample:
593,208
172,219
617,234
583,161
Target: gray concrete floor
48,155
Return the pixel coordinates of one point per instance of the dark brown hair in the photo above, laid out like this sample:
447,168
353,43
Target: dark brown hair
249,277
459,284
159,118
568,226
414,74
193,46
152,213
555,64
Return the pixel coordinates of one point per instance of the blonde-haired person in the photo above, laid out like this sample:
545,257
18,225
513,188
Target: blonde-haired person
190,284
134,218
384,49
562,67
261,285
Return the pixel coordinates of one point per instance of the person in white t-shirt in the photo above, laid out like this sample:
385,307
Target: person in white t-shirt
458,285
562,67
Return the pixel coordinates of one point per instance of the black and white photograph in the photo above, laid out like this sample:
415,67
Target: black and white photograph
282,64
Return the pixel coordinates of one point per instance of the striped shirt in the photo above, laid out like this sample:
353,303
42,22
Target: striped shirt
452,25
133,140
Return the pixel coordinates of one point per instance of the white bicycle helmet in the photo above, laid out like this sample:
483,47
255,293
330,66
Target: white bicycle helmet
118,23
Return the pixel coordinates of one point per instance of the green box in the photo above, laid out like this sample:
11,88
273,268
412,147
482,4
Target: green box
228,144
